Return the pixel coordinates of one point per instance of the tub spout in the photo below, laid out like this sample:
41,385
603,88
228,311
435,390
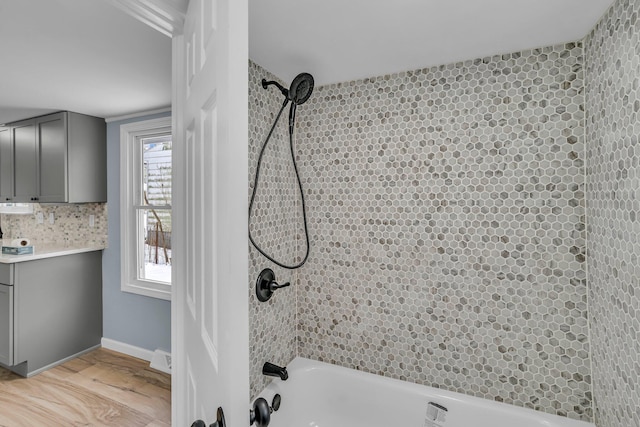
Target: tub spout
272,370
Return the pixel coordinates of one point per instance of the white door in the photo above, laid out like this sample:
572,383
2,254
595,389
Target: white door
211,327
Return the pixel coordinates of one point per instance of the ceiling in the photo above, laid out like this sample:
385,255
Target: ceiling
342,40
79,55
90,57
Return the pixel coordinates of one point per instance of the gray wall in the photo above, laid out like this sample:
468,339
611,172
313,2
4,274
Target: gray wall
129,318
613,211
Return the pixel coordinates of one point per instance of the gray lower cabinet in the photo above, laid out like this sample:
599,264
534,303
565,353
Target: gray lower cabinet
6,325
53,309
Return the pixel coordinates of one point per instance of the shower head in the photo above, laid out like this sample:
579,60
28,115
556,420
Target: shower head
301,88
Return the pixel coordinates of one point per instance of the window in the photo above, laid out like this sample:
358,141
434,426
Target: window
145,206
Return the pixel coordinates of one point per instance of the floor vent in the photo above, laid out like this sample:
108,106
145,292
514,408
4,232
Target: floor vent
161,361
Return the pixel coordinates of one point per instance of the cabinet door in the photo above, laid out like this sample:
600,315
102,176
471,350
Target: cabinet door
51,134
86,157
6,325
25,161
6,165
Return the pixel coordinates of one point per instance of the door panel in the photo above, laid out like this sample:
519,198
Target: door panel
210,169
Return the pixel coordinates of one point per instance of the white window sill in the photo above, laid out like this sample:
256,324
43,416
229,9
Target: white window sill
148,290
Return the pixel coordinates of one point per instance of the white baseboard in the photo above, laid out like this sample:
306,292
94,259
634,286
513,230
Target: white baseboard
161,361
128,349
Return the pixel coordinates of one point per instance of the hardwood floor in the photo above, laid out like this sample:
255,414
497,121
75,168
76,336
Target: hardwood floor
101,388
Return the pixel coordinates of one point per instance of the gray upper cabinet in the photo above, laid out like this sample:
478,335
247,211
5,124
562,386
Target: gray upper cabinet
6,164
87,159
57,158
25,161
52,177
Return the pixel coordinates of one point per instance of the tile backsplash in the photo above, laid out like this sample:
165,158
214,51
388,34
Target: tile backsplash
70,227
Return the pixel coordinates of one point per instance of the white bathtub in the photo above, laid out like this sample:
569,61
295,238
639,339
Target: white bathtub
322,395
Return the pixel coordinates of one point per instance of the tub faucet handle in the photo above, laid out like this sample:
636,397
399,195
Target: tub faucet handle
275,285
266,285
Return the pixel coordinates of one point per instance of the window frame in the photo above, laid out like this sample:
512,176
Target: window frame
131,137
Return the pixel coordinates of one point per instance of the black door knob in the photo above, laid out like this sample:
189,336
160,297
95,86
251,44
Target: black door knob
220,422
261,413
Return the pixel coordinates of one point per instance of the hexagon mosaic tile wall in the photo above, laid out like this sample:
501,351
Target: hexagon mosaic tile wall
613,184
446,207
274,224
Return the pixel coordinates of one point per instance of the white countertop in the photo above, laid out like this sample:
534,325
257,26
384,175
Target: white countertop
48,251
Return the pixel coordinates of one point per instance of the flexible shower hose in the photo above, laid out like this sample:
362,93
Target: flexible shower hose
295,168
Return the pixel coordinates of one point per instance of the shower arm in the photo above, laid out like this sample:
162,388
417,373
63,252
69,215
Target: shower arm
266,84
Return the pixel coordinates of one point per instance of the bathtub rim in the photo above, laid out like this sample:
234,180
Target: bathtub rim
305,365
